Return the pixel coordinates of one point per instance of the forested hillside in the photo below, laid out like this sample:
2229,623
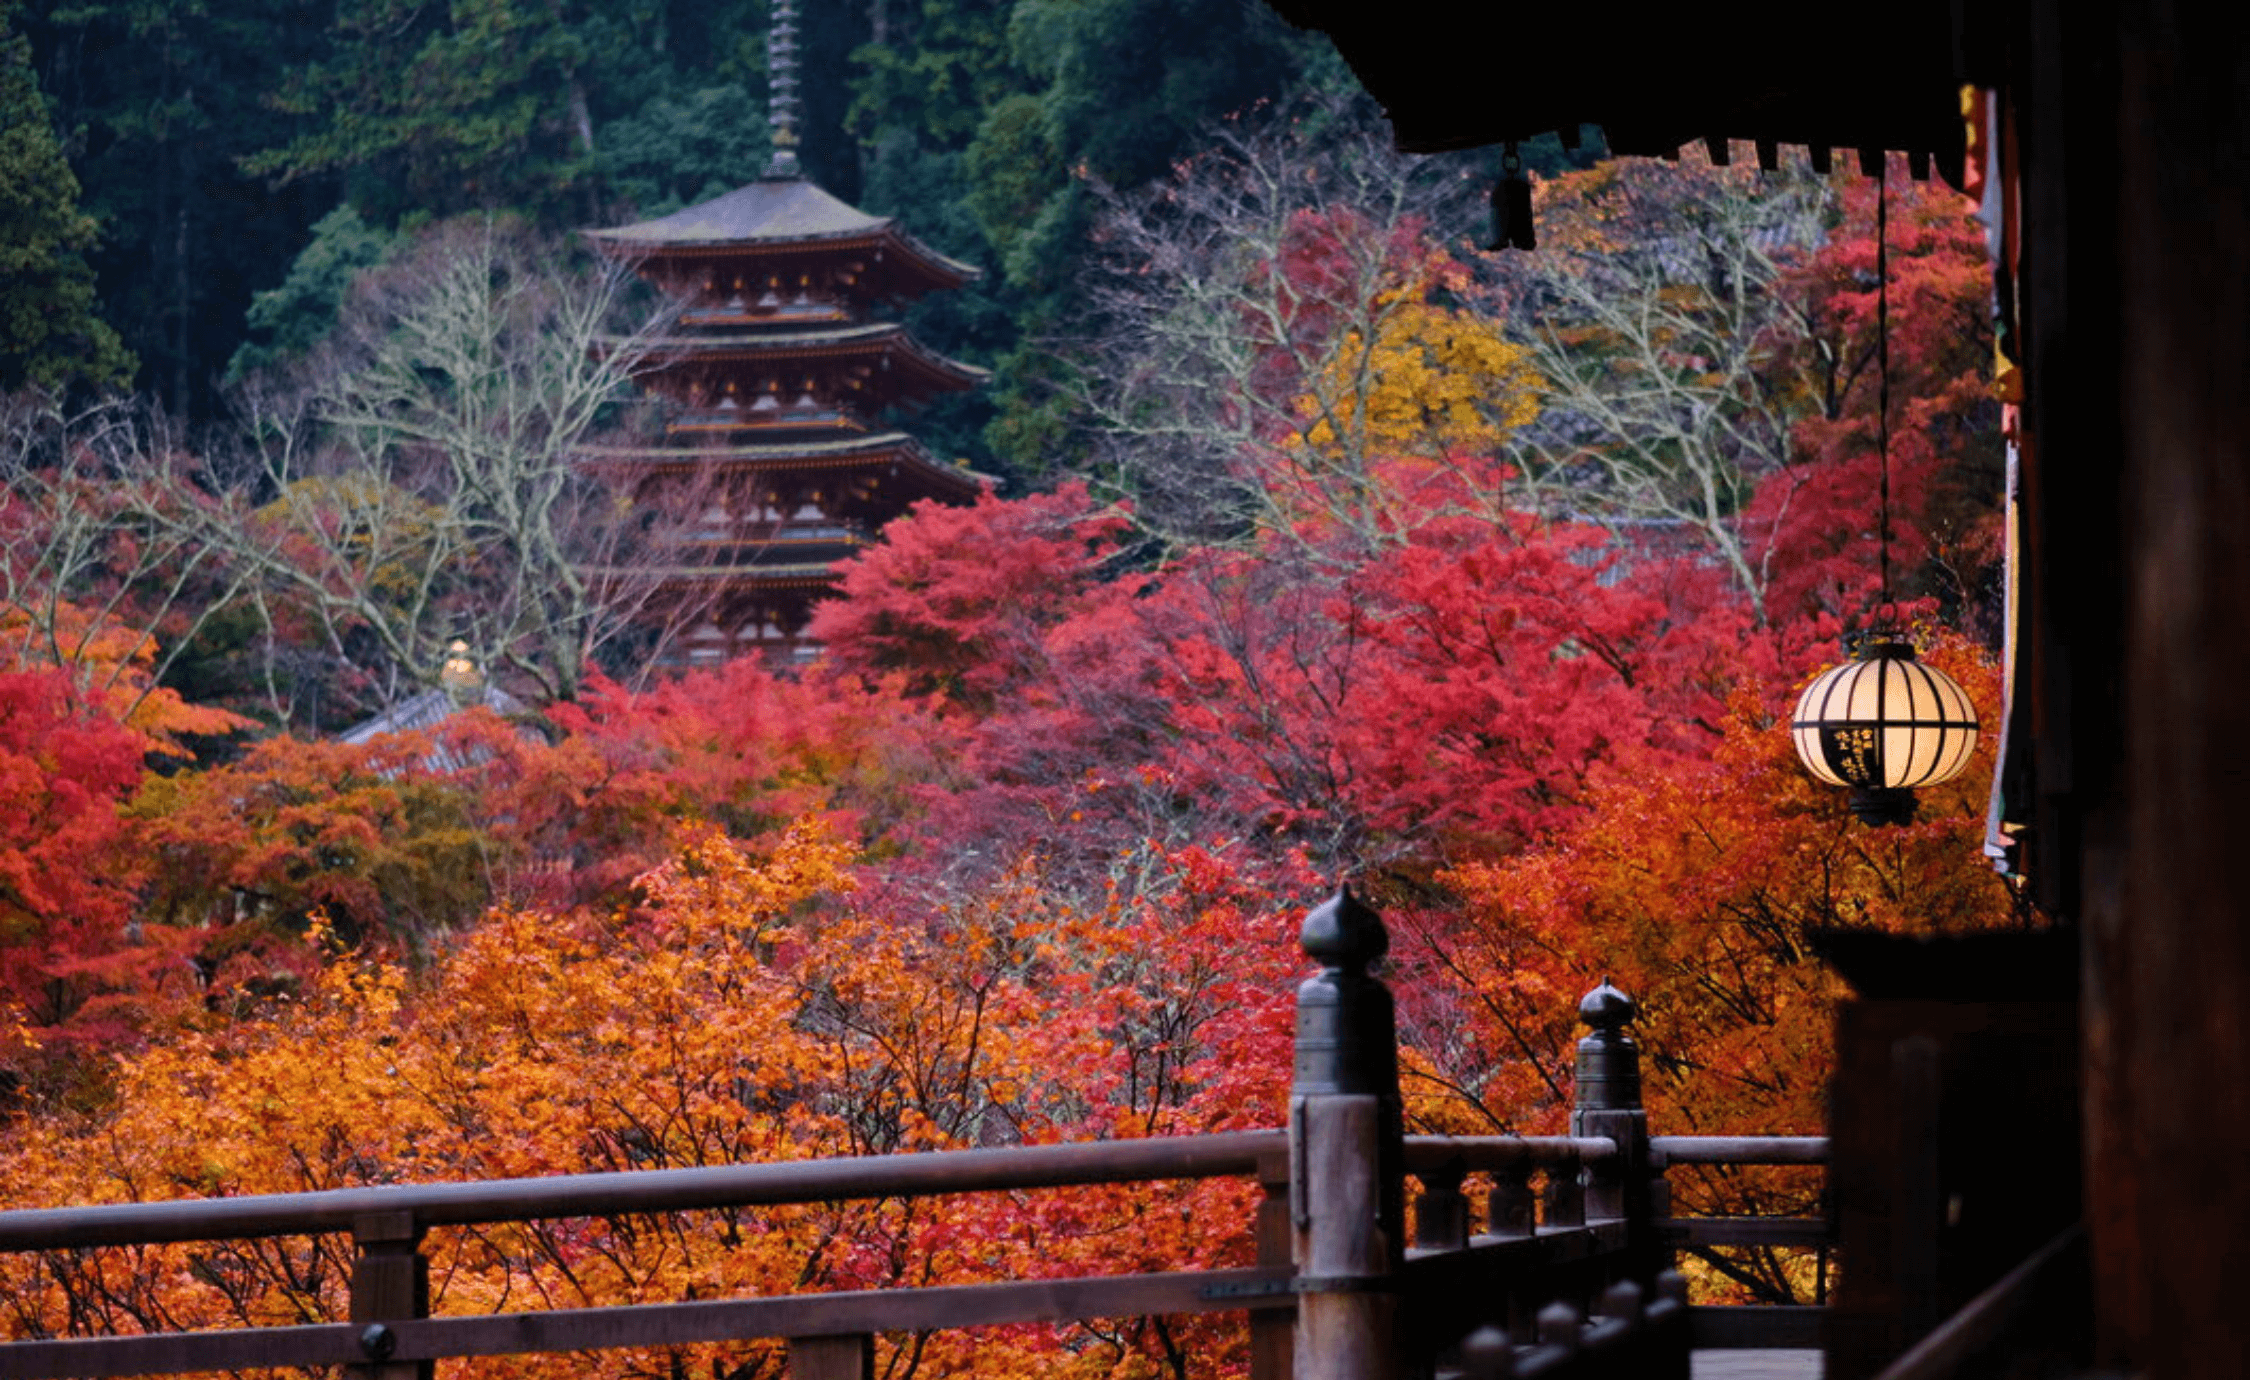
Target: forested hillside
240,156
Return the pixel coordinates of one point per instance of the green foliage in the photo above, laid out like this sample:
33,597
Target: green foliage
299,314
1015,170
942,65
678,149
160,98
50,336
454,110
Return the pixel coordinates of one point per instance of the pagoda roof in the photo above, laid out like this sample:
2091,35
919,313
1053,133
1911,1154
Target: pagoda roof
754,575
885,338
780,214
848,452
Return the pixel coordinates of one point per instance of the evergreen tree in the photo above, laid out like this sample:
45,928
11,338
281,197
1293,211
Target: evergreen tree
50,336
161,98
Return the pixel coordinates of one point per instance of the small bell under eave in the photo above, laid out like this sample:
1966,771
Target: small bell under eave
1884,725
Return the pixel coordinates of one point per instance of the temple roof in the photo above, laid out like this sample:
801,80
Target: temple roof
889,448
885,340
781,213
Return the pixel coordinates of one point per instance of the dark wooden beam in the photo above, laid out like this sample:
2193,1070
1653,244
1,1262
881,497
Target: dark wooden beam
664,1190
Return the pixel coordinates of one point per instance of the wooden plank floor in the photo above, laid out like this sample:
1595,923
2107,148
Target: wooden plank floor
1755,1365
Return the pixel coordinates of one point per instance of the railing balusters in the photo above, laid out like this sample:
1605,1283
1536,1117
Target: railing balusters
1508,1211
1669,1340
1559,1327
1565,1197
1441,1211
1488,1355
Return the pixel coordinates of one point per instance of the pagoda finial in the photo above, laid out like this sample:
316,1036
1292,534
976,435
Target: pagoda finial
782,106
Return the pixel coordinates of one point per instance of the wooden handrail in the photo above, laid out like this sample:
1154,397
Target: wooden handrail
1482,1154
1990,1316
1329,1230
1738,1149
646,1191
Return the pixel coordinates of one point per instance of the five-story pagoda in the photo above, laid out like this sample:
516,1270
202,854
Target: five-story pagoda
773,381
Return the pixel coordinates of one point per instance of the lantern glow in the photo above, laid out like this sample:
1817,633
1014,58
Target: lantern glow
1884,724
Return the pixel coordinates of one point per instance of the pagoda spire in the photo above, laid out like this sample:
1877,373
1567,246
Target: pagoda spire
782,107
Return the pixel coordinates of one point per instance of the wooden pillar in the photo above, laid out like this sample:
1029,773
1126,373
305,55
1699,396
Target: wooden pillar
390,1284
1273,1330
2168,1019
1918,1217
1347,1152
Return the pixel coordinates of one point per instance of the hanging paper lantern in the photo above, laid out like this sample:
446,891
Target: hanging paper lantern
1884,724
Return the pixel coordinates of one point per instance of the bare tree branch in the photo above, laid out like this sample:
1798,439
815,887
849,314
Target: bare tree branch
1652,315
1260,325
423,479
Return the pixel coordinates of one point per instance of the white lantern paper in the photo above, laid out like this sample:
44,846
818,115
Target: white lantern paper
1884,724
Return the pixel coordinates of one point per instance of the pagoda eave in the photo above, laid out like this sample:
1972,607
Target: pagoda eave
809,576
886,342
907,267
893,451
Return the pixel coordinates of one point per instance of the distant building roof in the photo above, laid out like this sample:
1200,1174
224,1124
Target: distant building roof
845,452
768,209
780,213
426,711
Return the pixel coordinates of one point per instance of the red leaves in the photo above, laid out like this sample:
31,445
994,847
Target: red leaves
1944,459
65,883
956,600
1024,857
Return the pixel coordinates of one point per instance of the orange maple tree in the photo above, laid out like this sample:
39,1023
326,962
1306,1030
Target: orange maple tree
745,1010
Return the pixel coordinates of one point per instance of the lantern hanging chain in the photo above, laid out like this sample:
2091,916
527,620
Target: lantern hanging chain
1883,375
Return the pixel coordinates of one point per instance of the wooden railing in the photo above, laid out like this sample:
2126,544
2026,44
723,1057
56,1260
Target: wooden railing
389,1291
1570,1278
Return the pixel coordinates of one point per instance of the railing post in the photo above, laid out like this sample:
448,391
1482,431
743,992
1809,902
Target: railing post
849,1356
1347,1152
1273,1330
1606,1101
390,1284
1672,1343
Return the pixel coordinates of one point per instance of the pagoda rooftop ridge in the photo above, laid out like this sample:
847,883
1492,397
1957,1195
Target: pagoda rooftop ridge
777,213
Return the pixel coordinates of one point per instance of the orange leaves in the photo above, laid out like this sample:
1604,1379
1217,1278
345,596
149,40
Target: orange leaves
746,1009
